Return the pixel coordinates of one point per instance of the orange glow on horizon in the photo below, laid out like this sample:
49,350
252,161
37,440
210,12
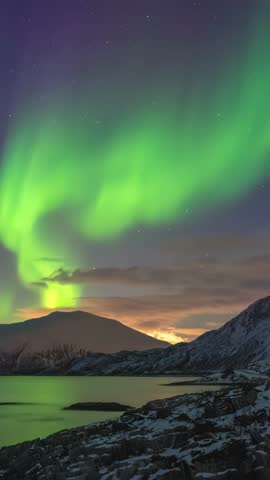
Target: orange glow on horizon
171,335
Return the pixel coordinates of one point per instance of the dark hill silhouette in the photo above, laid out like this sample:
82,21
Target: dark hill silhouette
81,329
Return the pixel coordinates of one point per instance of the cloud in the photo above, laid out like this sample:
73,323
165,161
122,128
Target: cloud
201,290
233,244
133,276
203,277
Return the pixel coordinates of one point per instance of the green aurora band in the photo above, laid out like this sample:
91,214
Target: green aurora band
146,169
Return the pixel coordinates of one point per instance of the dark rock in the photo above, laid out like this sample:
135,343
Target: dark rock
163,412
203,427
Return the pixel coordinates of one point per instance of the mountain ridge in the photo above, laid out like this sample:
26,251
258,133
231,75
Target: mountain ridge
242,342
81,329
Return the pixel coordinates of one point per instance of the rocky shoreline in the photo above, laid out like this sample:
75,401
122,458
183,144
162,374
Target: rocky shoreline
222,435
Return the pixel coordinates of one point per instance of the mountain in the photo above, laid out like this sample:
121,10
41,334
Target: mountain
243,342
81,329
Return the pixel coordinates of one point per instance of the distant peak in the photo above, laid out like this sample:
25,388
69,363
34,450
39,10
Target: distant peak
259,308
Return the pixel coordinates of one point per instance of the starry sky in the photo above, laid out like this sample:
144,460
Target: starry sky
134,160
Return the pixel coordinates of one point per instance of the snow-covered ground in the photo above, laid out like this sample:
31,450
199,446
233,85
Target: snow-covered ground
232,377
213,435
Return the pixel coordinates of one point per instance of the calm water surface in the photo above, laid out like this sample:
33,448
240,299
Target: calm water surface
41,413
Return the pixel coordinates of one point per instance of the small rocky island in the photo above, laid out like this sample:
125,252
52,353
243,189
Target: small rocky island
222,435
99,406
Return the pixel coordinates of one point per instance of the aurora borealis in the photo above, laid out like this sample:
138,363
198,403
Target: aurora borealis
130,119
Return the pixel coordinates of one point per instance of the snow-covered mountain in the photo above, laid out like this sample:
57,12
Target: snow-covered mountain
243,342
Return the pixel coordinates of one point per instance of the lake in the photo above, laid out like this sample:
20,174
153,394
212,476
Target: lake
42,399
